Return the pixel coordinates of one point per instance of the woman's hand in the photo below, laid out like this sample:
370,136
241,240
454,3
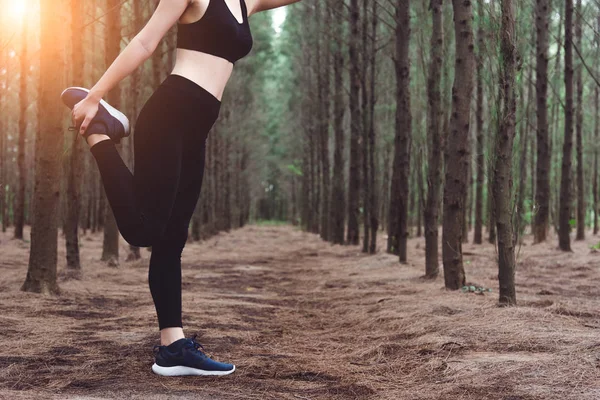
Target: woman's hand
83,112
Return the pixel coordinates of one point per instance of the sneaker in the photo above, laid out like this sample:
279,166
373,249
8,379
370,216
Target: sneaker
108,120
184,357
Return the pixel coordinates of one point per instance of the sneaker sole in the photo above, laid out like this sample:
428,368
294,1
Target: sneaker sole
111,110
181,370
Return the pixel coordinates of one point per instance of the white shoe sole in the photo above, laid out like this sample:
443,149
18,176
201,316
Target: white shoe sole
181,370
111,110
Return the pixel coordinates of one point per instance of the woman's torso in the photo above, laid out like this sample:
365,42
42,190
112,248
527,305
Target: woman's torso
206,19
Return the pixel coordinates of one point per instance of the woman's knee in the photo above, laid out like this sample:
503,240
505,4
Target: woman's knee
142,236
145,231
171,243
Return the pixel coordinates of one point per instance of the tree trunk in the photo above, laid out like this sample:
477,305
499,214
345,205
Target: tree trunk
20,200
75,169
478,231
468,197
355,127
503,169
542,194
491,202
324,130
564,228
3,135
579,133
373,207
134,252
227,185
366,188
399,192
435,140
41,273
337,206
596,130
519,220
110,248
458,147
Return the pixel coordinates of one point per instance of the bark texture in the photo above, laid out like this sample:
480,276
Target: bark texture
503,170
579,135
338,202
20,200
457,162
478,231
564,215
41,272
435,115
355,126
542,194
399,191
110,247
75,168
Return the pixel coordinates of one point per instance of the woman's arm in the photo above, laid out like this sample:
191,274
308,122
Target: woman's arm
141,46
262,5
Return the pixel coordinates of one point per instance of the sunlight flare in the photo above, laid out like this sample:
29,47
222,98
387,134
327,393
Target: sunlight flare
278,19
16,9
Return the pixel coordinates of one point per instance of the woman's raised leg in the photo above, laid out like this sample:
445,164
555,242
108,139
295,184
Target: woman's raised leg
142,202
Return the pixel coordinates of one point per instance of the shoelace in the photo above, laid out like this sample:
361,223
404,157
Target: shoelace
195,344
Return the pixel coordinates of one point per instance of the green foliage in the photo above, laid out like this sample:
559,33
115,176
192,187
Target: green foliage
295,169
270,222
528,212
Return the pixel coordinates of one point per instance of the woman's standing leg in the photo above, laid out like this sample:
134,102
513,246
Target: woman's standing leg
199,111
164,275
177,355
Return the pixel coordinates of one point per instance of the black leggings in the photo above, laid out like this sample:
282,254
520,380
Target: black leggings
154,206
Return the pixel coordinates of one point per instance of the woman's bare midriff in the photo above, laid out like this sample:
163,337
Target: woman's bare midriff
208,71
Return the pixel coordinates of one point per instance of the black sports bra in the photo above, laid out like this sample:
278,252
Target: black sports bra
218,32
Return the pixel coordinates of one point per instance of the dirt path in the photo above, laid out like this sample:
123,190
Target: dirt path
302,319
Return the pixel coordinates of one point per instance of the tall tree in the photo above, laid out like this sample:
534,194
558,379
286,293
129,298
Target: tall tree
138,18
596,125
458,147
504,148
366,187
564,217
75,169
355,127
3,138
524,102
336,230
373,213
579,134
324,96
41,272
542,186
112,43
478,231
20,200
399,191
435,139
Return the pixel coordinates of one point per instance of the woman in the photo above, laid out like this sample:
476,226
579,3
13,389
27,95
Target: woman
153,207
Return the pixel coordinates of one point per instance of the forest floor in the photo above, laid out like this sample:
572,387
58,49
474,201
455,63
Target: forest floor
303,319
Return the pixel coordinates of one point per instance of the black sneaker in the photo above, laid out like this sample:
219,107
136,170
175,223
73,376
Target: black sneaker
184,357
108,120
